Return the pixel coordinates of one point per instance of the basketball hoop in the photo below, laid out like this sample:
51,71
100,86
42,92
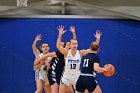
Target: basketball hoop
22,3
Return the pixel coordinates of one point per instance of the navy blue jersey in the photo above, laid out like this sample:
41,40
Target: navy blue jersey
58,62
87,63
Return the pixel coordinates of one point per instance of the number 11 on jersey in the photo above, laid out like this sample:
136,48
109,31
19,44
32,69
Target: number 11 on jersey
85,64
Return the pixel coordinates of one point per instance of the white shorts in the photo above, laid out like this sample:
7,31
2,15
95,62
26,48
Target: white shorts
69,79
42,75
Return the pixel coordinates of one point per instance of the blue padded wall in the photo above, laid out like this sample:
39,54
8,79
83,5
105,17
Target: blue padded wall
120,46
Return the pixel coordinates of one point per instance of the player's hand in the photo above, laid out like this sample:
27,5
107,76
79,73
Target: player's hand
72,29
61,30
38,37
106,68
98,34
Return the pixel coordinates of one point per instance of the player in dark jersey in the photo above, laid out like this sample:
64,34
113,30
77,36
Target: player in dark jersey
56,66
89,66
55,71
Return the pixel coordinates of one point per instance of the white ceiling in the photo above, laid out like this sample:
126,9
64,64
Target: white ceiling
92,8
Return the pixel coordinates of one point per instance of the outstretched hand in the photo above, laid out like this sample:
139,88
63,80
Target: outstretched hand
98,34
38,37
72,29
61,30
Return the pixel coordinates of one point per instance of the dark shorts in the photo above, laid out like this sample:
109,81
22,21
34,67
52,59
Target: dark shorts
86,82
54,77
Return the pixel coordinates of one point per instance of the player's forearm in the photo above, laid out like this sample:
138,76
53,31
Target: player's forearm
34,44
59,41
38,65
74,35
100,70
34,48
98,40
44,57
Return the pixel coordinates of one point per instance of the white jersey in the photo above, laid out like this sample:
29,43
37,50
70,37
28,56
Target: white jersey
41,73
72,63
46,61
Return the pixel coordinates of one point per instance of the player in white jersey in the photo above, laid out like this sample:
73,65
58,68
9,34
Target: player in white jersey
41,73
71,71
73,59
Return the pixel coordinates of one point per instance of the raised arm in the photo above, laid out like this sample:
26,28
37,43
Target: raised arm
58,44
97,36
34,48
72,29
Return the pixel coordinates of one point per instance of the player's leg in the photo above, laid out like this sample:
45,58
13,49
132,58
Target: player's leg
86,91
47,88
66,83
78,92
70,89
39,86
97,90
53,78
90,84
39,81
63,88
54,88
44,76
79,85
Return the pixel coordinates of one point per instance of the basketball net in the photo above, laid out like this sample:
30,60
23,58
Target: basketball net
22,3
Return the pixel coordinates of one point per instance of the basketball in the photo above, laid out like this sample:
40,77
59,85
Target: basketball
111,70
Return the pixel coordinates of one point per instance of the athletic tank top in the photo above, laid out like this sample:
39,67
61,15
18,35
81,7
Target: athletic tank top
87,63
72,63
58,63
46,61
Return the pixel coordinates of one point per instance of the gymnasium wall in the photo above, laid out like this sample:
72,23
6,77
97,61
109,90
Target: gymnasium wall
120,46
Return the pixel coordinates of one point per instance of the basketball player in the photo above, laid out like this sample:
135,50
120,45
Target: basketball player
41,73
89,65
57,65
72,60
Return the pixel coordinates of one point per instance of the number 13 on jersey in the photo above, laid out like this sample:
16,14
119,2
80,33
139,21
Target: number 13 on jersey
72,66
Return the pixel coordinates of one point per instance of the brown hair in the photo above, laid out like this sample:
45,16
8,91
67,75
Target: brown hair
94,46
